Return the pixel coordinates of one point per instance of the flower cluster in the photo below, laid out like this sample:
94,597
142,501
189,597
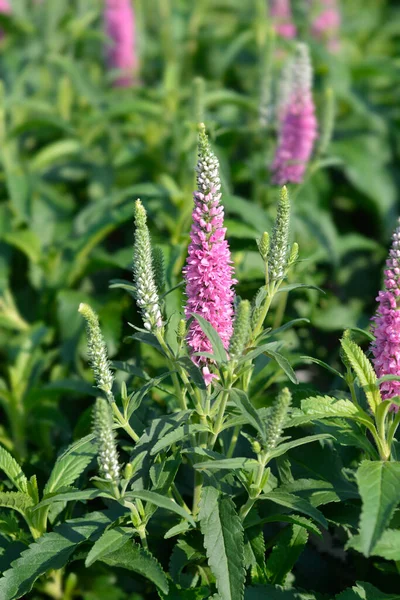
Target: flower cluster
386,347
119,21
281,15
208,271
326,23
103,429
143,272
296,119
97,352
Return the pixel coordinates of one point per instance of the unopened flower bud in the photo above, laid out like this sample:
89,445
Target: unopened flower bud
181,330
277,261
103,430
241,329
294,253
128,471
97,351
274,425
263,246
159,269
143,272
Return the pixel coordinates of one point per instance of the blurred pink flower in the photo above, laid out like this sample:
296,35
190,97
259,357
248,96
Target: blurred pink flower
208,271
120,27
296,120
5,8
326,23
386,347
281,15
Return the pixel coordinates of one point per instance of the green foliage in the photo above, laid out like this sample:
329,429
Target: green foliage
51,551
285,553
223,540
13,471
379,486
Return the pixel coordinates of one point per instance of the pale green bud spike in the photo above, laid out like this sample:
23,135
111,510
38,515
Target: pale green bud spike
263,246
159,269
274,425
97,350
346,336
107,455
294,254
181,330
277,261
241,330
143,273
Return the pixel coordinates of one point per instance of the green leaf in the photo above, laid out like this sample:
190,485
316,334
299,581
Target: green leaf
271,346
55,152
323,364
177,435
282,448
318,408
297,504
228,463
387,547
216,342
223,540
270,592
16,501
161,502
284,555
13,471
243,403
49,552
133,557
71,464
379,486
135,399
296,286
73,495
110,541
283,363
365,591
27,242
295,519
364,371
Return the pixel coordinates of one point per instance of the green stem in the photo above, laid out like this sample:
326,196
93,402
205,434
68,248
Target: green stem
198,484
124,423
220,417
280,311
234,439
171,361
246,508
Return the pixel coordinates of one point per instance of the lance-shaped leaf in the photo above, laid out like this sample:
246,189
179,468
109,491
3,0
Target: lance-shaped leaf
161,502
223,540
13,471
219,352
379,485
71,464
110,541
243,403
284,555
364,371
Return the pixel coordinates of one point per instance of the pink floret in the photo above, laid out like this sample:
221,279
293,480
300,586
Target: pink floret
281,15
386,347
119,20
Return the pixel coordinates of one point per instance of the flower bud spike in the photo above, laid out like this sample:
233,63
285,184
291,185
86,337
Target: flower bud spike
159,269
278,253
146,291
274,425
97,350
263,246
208,271
107,452
294,254
241,330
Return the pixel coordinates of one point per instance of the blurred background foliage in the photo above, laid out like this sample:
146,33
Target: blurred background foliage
76,152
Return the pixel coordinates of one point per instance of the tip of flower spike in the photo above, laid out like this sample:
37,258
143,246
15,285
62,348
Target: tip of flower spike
140,213
86,310
204,144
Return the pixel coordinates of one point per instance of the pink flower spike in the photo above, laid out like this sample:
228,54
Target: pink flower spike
281,15
296,120
325,25
5,8
208,272
120,28
386,327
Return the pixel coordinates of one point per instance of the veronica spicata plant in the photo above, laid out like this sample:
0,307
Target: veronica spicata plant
206,473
